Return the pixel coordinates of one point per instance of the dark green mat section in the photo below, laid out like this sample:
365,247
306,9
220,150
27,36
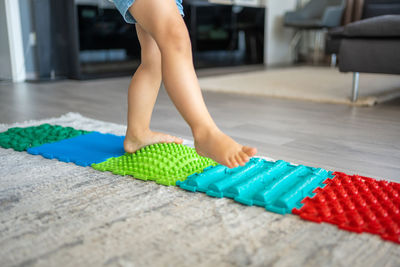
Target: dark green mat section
21,139
163,163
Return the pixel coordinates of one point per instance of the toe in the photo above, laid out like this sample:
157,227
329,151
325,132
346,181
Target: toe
239,160
244,157
178,140
234,162
173,139
250,151
228,163
170,139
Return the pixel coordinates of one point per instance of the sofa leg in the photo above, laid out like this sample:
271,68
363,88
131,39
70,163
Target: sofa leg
356,80
333,60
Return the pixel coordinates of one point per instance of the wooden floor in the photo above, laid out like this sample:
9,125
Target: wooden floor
336,137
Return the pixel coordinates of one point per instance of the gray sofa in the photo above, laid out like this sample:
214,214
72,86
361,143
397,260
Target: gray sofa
369,46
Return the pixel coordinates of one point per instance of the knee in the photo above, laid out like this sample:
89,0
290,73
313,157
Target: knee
151,59
175,38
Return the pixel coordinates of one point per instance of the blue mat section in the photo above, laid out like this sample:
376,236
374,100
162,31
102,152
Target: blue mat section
83,150
277,186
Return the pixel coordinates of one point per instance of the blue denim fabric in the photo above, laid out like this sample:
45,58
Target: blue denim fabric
124,5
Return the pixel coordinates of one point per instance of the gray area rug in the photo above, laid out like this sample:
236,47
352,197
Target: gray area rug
58,214
317,84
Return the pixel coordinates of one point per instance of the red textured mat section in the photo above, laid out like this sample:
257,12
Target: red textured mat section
358,204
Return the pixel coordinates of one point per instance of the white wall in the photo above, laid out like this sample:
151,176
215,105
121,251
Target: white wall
277,50
14,56
5,60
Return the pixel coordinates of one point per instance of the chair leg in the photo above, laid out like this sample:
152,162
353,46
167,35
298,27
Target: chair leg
293,45
356,80
317,46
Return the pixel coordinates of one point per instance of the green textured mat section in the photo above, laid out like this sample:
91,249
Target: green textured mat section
21,139
163,163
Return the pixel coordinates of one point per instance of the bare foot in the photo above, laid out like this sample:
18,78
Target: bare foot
223,149
135,142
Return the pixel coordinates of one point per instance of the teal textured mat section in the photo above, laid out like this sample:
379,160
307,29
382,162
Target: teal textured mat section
278,186
21,139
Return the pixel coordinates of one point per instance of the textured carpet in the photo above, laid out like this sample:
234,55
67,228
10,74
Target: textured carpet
59,214
318,84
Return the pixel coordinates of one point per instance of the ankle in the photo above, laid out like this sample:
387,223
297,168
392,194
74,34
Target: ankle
201,133
137,133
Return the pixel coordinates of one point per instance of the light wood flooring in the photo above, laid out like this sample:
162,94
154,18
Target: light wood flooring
358,140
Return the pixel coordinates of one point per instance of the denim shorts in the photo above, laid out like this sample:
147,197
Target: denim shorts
124,5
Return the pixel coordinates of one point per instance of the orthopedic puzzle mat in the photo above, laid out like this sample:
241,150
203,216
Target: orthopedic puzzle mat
354,203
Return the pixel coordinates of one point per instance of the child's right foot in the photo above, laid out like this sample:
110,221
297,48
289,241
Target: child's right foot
135,142
223,149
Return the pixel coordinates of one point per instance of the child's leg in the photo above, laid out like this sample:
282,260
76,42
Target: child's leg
161,19
142,96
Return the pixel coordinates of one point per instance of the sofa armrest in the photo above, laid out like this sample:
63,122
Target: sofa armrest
332,16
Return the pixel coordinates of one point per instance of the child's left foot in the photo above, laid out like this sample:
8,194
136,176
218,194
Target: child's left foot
221,148
132,143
